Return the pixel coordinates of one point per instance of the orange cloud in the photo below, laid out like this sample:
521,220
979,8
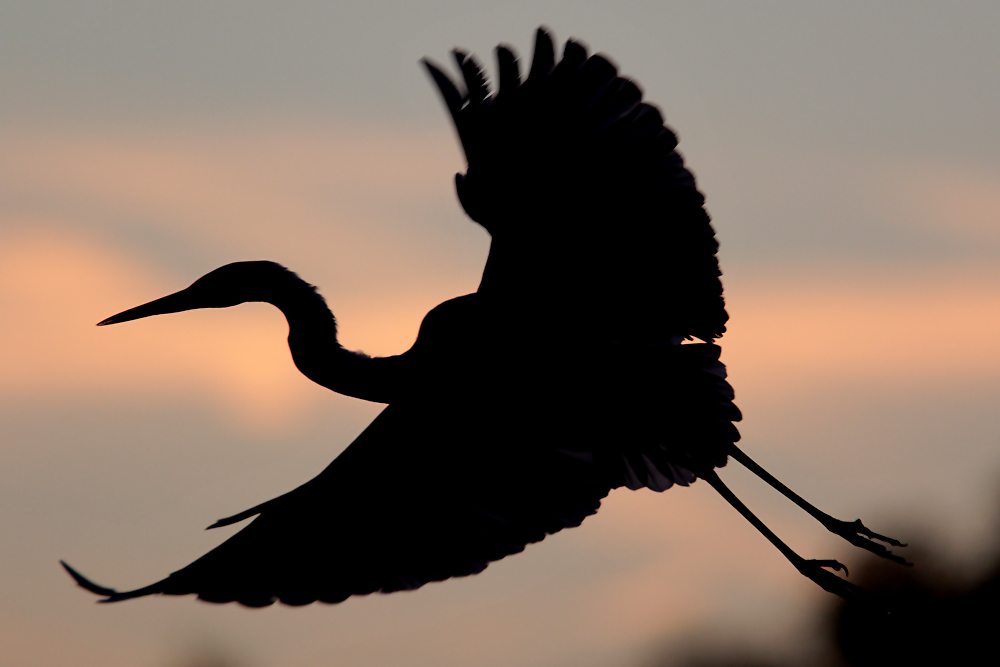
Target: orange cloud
258,191
889,329
784,334
317,198
53,291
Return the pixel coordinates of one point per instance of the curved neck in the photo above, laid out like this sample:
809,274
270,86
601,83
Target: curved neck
312,339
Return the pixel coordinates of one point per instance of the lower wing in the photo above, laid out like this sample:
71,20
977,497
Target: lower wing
424,494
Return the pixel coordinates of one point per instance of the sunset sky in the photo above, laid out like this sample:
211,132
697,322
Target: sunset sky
850,154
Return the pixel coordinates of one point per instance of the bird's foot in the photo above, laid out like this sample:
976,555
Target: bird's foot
860,535
828,581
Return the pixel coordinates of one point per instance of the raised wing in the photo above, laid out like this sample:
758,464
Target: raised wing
420,496
573,163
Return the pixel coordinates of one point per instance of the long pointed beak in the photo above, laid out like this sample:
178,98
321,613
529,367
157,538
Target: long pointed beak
172,303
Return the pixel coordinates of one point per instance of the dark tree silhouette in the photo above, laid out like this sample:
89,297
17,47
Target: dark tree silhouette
521,406
937,615
943,612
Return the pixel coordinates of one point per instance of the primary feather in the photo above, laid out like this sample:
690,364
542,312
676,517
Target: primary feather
575,165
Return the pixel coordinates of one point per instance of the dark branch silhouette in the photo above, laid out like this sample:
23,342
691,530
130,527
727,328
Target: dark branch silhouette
571,371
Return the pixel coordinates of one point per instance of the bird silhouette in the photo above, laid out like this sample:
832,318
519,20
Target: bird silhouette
574,369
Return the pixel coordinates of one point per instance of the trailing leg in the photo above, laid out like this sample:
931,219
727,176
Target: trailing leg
854,532
813,569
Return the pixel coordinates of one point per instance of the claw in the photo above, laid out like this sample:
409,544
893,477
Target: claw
861,536
828,581
867,532
834,565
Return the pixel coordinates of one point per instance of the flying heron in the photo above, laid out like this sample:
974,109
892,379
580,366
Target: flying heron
584,362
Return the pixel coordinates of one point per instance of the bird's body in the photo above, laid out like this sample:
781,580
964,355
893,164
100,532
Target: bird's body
571,371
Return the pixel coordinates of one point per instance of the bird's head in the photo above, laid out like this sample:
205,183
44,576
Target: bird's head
229,285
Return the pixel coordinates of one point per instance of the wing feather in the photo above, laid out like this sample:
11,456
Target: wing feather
475,79
509,72
545,56
453,98
411,501
576,164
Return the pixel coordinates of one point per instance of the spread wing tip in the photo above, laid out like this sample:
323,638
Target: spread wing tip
109,594
453,97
